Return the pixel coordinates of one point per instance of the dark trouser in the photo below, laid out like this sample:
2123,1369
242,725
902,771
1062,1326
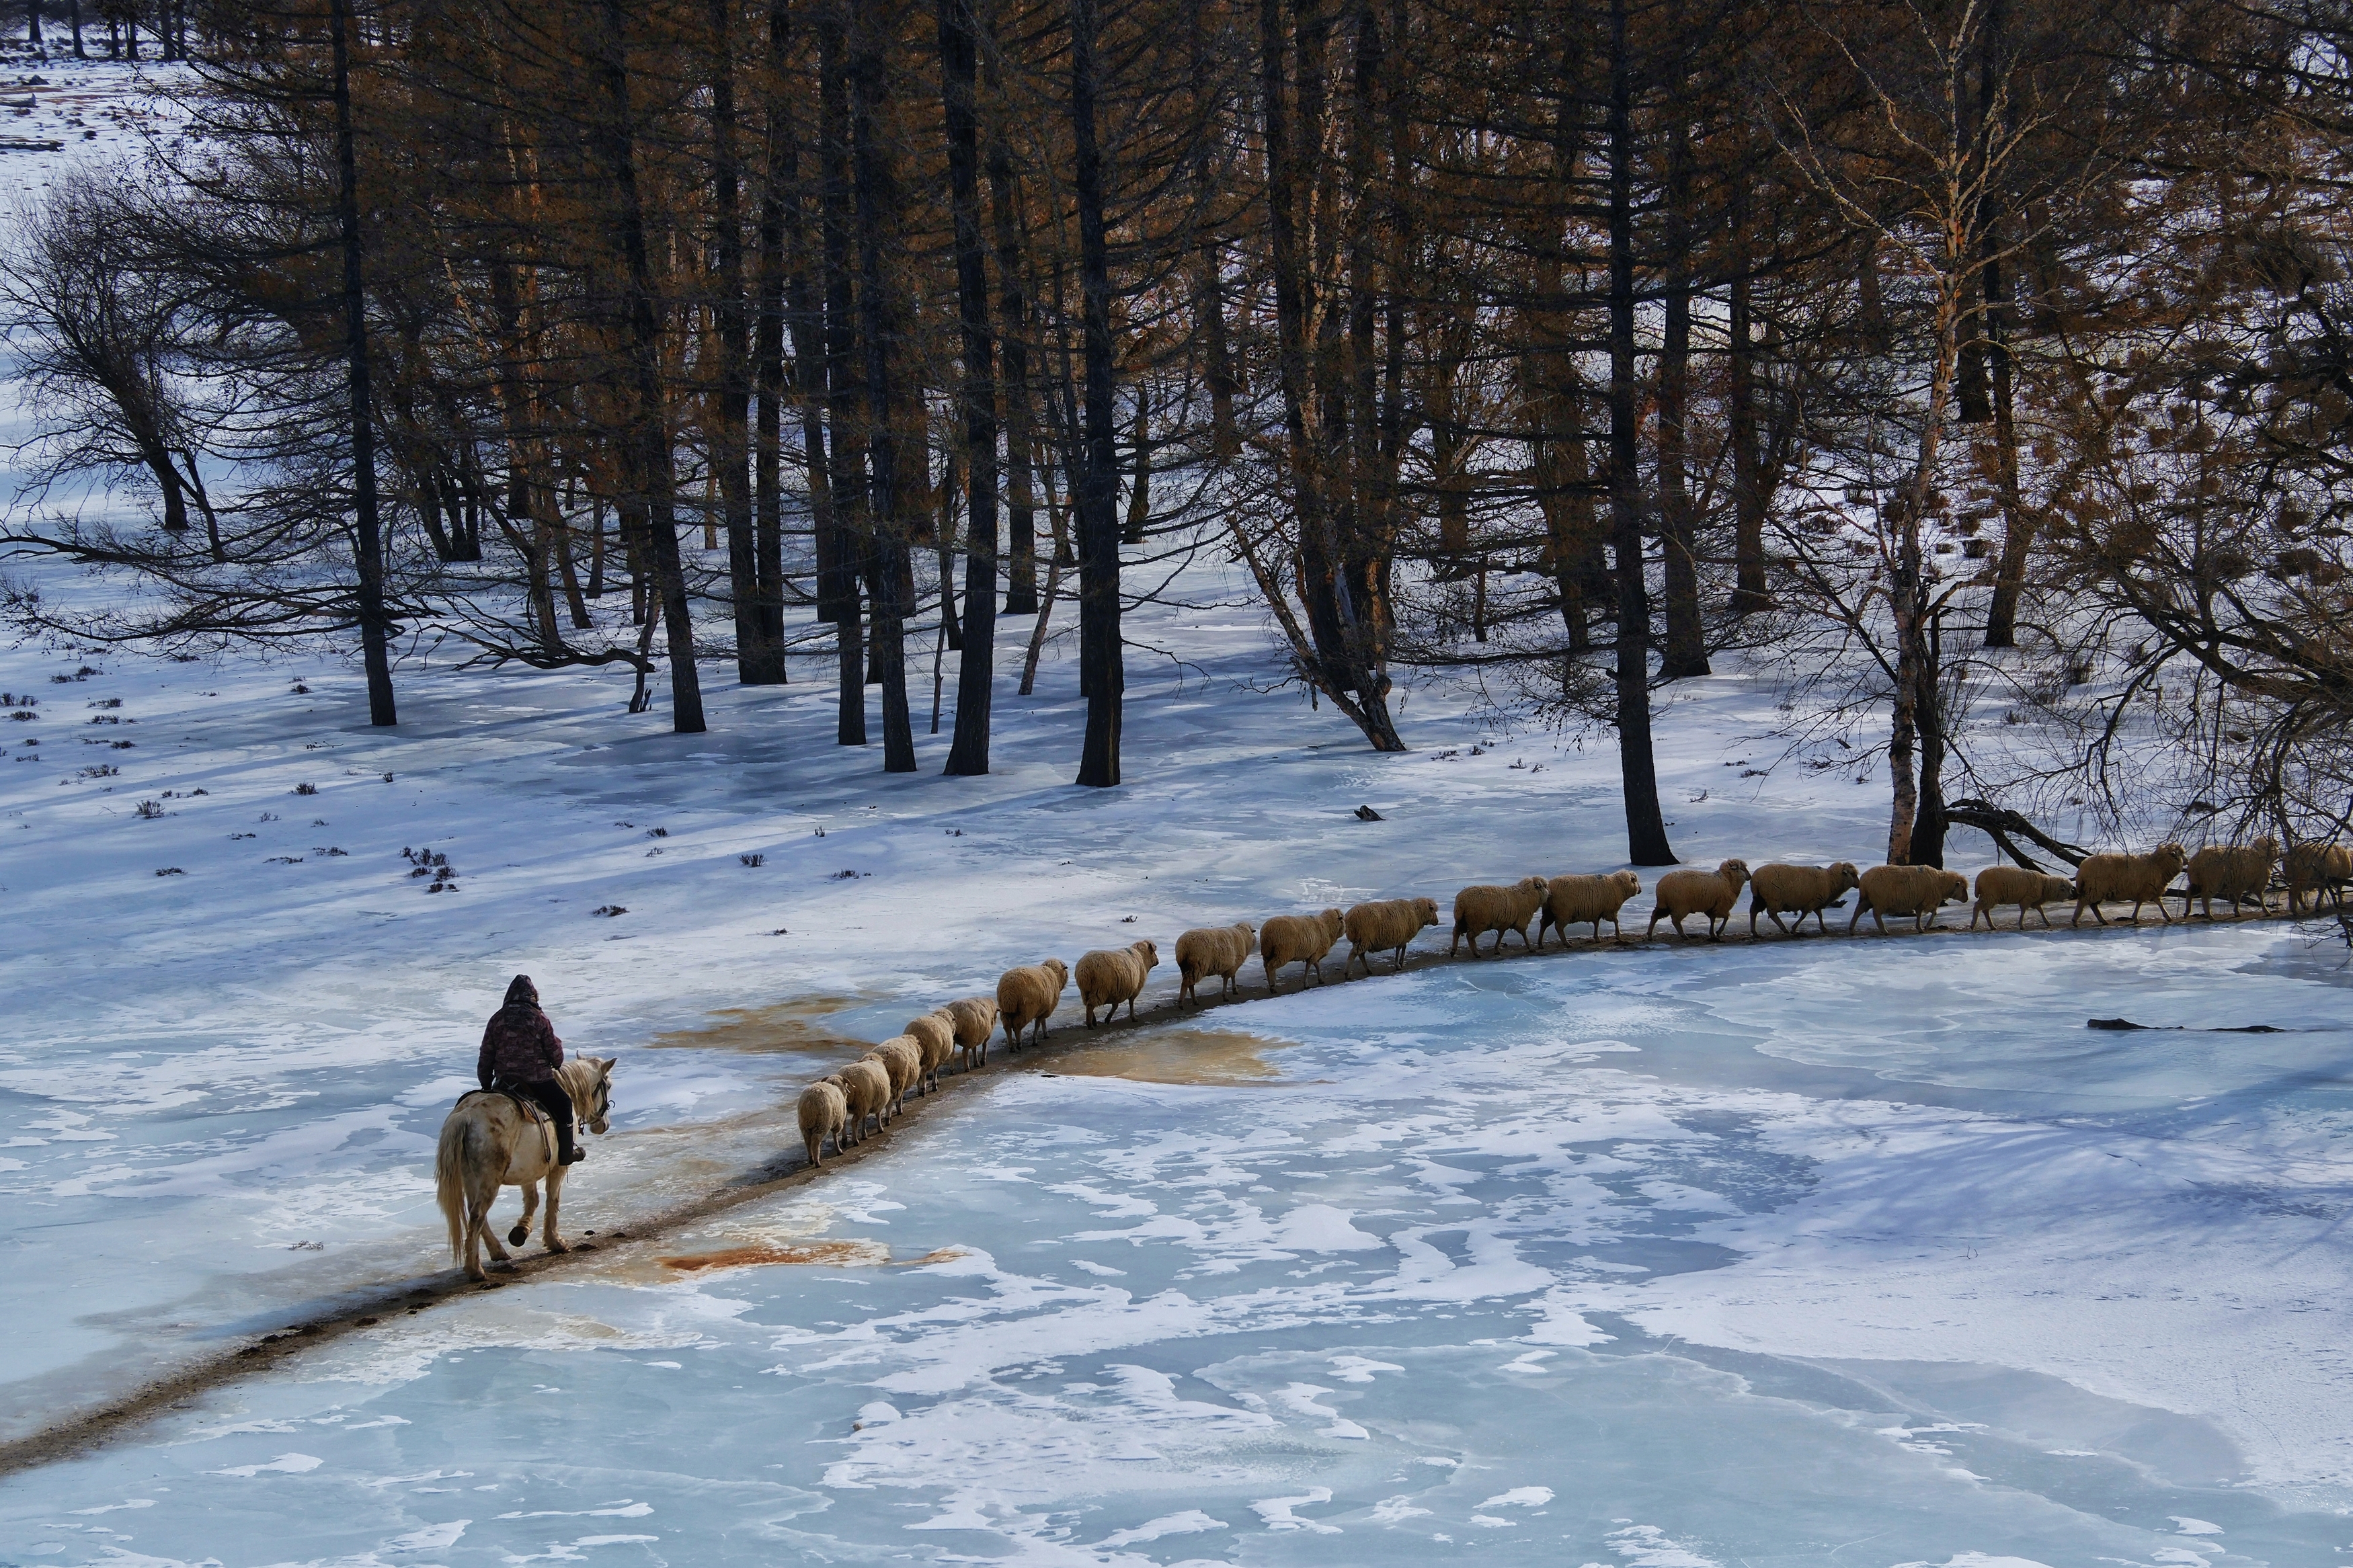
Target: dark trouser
550,1097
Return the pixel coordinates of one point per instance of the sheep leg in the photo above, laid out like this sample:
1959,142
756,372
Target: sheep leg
1398,959
1774,916
1647,935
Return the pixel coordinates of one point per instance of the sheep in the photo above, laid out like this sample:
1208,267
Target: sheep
2318,869
1109,976
1999,885
975,1019
1573,900
1916,890
1214,950
2143,878
902,1056
1711,893
823,1109
1296,939
2233,871
865,1085
1487,908
1027,996
935,1036
1384,925
1776,889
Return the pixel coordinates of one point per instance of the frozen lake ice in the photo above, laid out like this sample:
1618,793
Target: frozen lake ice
1819,1251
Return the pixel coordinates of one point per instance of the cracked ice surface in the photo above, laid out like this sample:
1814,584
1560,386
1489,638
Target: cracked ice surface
1670,1260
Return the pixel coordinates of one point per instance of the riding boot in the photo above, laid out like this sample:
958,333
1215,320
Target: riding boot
552,1099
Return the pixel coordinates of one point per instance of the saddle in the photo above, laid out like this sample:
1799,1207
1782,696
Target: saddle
529,1108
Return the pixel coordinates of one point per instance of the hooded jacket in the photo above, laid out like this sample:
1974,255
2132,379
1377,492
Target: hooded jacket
518,1044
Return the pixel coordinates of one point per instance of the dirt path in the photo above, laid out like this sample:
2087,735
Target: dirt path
367,1306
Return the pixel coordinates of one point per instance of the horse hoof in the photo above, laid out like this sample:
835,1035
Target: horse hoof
518,1235
557,1246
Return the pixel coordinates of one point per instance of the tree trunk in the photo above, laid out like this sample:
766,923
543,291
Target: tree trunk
759,658
1646,831
777,171
880,322
1928,821
1748,591
2017,530
596,547
1225,437
649,436
1139,489
1341,652
1013,326
975,672
841,569
375,624
1100,653
1685,653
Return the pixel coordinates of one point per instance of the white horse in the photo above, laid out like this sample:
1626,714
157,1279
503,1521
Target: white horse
487,1144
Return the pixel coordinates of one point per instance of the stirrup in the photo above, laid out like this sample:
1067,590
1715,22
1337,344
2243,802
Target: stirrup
574,1158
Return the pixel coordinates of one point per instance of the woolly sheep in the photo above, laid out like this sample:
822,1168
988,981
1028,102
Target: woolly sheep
1710,893
1776,889
975,1019
1109,976
1384,925
1026,997
1296,939
902,1056
2318,869
1212,949
1999,885
935,1036
2233,871
1916,890
1487,908
865,1084
823,1110
2113,878
1573,900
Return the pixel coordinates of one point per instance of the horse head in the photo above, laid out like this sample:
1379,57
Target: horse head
592,1101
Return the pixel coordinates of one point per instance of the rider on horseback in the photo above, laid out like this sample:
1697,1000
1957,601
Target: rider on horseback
519,1055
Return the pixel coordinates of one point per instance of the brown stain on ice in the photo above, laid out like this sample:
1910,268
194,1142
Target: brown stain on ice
794,1025
1224,1058
758,1254
823,1254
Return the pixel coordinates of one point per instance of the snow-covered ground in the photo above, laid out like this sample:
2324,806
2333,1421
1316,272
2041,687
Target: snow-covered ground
1812,1251
1703,1256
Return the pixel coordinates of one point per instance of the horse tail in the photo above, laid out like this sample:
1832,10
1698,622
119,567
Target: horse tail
449,1163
